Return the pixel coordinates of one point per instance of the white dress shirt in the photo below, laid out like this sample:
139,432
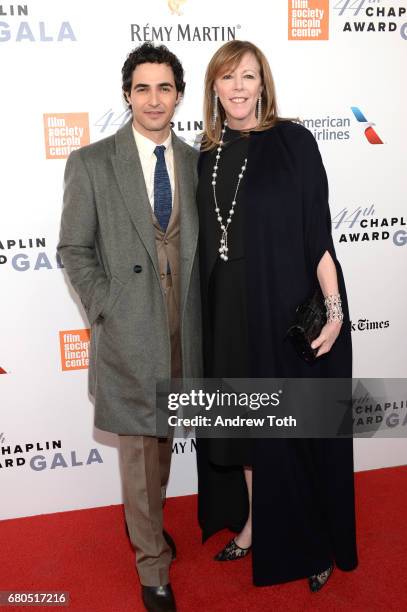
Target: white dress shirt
148,160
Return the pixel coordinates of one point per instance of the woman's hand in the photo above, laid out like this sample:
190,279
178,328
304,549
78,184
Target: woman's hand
327,337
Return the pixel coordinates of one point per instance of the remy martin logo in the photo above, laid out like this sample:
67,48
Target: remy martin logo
182,32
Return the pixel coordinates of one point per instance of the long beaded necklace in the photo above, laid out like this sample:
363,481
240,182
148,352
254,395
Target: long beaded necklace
224,226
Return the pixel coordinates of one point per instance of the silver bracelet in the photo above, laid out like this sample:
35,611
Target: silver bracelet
333,307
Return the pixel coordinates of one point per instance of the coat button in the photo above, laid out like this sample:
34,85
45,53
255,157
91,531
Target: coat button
137,268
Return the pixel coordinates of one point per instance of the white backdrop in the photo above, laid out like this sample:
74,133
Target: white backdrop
60,66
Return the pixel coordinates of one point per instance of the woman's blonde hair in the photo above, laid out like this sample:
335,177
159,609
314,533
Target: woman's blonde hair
227,58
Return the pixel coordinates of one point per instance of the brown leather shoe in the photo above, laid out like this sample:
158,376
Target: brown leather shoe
158,598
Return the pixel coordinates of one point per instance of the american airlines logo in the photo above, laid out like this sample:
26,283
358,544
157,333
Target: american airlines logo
367,126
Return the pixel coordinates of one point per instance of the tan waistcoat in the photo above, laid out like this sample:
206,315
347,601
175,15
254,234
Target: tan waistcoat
168,248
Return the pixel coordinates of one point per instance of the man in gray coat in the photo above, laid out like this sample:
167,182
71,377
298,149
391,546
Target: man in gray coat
129,245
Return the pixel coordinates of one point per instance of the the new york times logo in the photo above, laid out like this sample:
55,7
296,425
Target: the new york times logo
184,447
182,33
23,29
366,325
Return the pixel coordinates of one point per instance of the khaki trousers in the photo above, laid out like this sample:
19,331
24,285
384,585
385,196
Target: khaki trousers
145,463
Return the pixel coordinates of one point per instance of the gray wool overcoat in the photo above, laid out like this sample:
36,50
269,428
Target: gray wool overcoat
107,245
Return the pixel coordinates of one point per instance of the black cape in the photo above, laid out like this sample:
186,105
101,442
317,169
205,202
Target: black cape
303,492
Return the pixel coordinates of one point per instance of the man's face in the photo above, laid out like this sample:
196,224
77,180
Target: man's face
153,97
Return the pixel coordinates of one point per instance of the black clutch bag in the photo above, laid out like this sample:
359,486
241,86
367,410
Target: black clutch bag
310,319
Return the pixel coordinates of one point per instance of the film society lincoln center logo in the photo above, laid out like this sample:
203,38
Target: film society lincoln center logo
74,344
308,19
65,132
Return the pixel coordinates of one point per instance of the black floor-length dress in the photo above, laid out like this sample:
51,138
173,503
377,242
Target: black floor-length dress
226,352
303,495
225,333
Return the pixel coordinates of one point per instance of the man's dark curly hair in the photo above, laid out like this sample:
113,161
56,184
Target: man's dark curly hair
148,53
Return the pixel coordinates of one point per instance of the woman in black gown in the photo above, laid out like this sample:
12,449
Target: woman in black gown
265,244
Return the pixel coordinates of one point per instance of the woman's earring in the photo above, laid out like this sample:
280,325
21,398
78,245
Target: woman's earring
214,109
259,109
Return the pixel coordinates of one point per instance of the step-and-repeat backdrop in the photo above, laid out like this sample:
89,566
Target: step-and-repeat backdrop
338,65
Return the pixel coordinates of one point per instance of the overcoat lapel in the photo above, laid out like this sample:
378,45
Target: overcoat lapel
129,175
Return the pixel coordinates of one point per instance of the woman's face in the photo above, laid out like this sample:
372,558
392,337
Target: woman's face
238,92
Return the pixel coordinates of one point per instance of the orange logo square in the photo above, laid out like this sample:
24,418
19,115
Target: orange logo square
308,19
74,345
65,132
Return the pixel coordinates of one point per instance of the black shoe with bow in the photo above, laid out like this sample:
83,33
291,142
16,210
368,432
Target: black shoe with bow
317,581
232,551
158,598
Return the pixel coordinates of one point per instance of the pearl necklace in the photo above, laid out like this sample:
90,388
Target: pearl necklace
223,250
